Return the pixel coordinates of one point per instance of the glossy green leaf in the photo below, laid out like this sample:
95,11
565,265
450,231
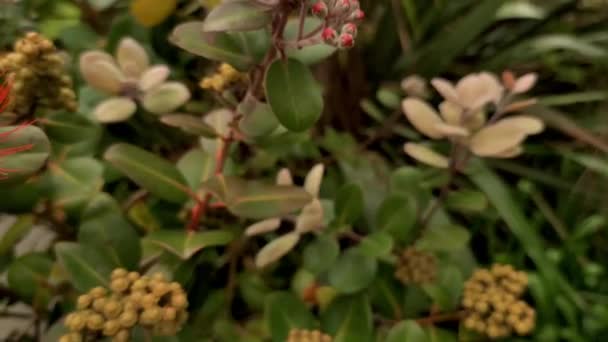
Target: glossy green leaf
349,319
311,54
24,163
186,244
85,267
149,171
397,215
22,225
349,204
293,94
69,128
28,277
258,120
189,124
218,46
447,289
283,311
407,331
352,272
377,245
320,254
103,227
237,15
196,166
75,181
444,238
256,200
467,201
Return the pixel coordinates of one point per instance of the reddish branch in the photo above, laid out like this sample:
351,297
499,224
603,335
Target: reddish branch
434,319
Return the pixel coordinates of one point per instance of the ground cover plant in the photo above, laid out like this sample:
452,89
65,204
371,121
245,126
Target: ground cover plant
303,171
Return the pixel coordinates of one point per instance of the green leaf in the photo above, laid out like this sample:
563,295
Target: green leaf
446,291
186,244
75,181
320,255
28,276
85,267
397,215
349,204
258,120
103,227
283,311
501,198
455,38
349,319
15,232
149,171
189,124
25,163
293,94
444,239
407,331
197,166
467,201
237,15
377,245
256,200
218,46
353,271
311,54
69,128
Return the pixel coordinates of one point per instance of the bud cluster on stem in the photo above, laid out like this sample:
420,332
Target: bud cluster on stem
341,19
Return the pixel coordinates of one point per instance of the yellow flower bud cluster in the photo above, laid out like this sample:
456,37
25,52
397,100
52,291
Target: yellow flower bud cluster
301,335
416,267
151,302
39,76
225,76
492,300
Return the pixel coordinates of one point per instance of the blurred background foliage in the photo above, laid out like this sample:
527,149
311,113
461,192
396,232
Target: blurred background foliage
544,212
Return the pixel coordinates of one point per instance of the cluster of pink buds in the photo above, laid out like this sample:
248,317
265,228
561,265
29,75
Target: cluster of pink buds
341,19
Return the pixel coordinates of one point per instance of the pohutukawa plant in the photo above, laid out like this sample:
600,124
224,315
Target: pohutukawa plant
473,118
131,80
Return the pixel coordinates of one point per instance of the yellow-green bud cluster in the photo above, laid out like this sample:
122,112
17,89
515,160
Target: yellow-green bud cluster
133,299
301,335
39,76
225,76
416,267
492,300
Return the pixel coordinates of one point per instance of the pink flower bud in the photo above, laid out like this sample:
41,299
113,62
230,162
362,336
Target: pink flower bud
350,28
343,6
319,9
346,41
329,35
357,15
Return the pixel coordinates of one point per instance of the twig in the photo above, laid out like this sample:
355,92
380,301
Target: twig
434,319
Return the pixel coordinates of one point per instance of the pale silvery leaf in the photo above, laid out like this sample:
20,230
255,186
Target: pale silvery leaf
311,217
511,153
116,109
415,85
153,77
422,116
497,138
166,98
284,177
446,89
276,249
262,227
451,131
451,113
102,74
426,155
477,90
528,124
132,57
525,83
313,180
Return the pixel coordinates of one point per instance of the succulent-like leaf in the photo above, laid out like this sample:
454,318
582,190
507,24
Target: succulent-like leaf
422,116
166,98
311,217
153,77
132,57
115,109
237,15
276,249
426,155
262,227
